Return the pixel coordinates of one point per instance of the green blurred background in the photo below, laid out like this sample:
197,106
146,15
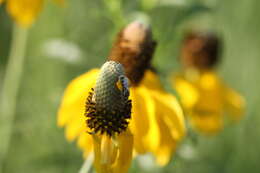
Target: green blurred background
66,42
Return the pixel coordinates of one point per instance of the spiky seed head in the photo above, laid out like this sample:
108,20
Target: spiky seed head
108,108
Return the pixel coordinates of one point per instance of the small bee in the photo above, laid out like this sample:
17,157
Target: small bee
123,85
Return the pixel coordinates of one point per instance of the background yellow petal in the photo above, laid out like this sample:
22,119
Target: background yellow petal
207,124
188,93
24,12
209,80
235,104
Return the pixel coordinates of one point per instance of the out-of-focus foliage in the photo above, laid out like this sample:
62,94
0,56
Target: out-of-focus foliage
64,43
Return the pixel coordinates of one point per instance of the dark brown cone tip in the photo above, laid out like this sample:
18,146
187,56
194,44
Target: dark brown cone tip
134,59
200,50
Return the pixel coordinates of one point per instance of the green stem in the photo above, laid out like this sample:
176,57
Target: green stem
88,164
11,83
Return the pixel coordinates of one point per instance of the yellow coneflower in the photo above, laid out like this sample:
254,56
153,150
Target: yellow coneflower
108,111
24,12
204,96
157,121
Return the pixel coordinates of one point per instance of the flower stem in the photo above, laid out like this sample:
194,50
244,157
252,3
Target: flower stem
10,88
88,164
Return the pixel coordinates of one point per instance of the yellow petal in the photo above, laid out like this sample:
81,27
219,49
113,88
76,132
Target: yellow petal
139,121
97,154
75,95
170,112
125,151
24,12
152,138
85,143
167,143
113,156
109,150
151,80
188,94
209,80
1,1
234,103
208,124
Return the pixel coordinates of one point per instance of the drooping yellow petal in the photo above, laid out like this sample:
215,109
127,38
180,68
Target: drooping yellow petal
139,122
152,138
97,154
167,143
125,151
113,154
234,103
109,151
75,95
143,124
170,112
164,136
24,12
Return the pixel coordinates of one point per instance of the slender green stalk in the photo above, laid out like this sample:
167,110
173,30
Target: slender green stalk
11,83
88,164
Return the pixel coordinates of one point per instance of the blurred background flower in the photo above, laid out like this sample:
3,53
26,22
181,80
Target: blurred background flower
38,145
24,12
204,96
